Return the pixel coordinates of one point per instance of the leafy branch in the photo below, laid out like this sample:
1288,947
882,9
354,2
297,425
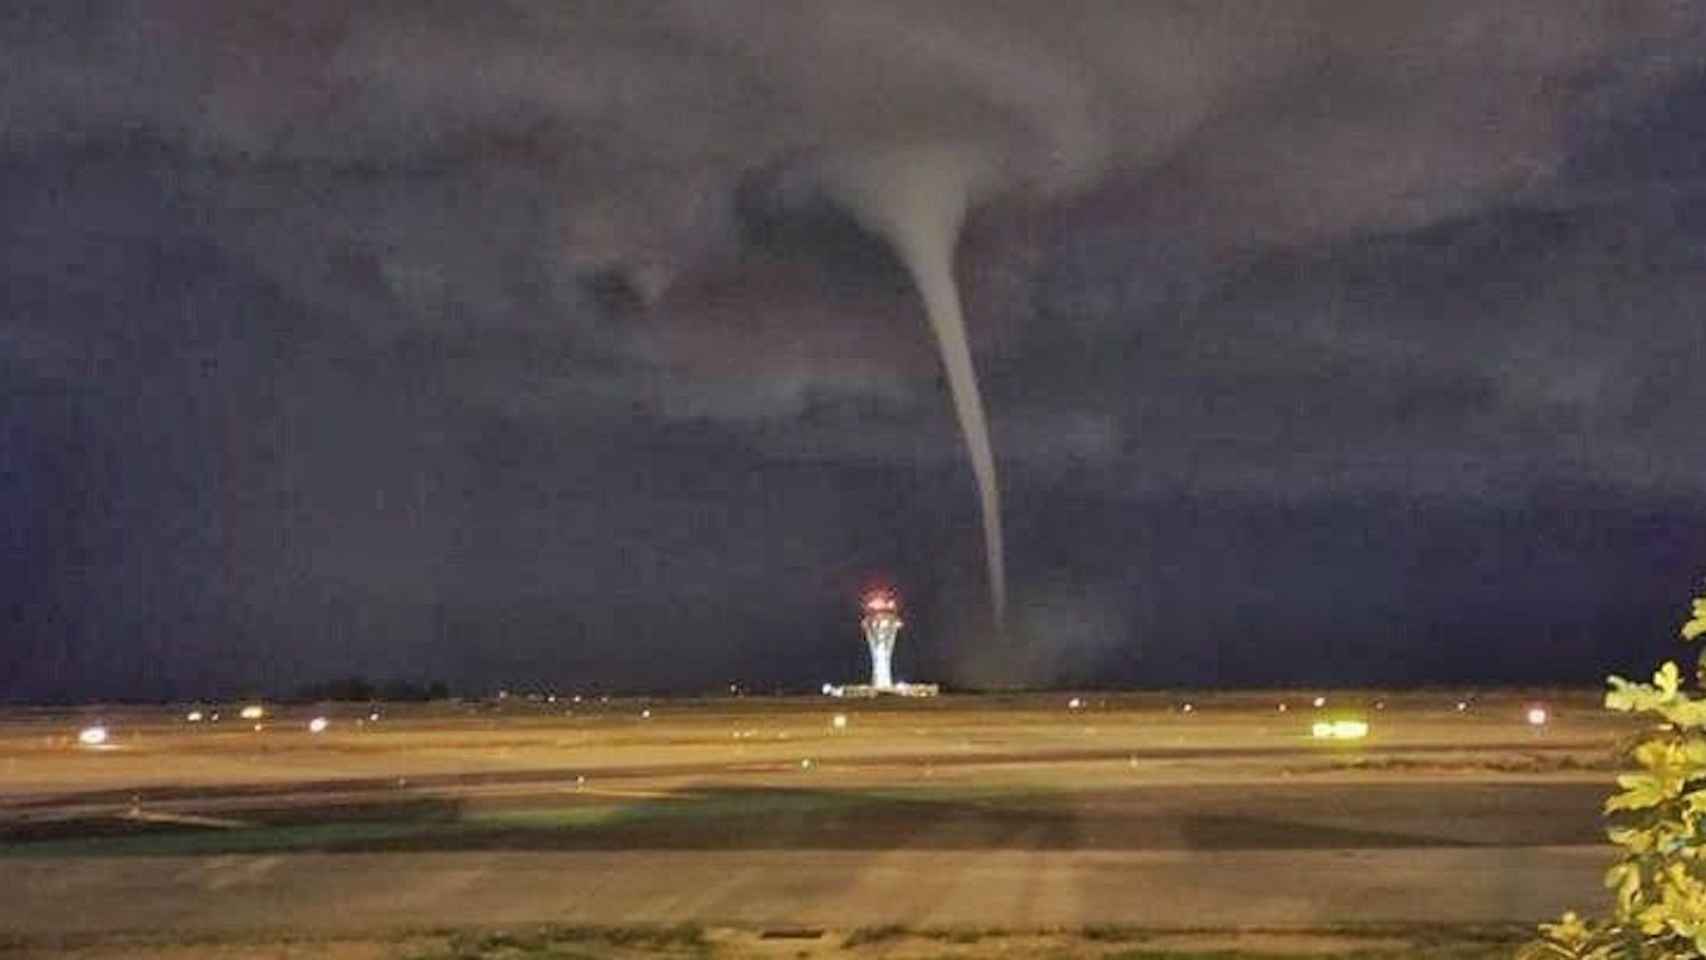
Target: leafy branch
1658,819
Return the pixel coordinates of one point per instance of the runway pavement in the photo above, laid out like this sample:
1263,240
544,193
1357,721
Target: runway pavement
1016,816
1283,856
1012,889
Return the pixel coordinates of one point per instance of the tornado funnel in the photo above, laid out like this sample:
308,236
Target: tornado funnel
915,198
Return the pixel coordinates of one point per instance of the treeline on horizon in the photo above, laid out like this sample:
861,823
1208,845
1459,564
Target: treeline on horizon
356,688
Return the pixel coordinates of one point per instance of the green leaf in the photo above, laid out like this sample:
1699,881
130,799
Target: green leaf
1696,624
1640,791
1626,878
1694,803
1635,841
1655,755
1694,748
1619,700
1684,712
1627,696
1668,679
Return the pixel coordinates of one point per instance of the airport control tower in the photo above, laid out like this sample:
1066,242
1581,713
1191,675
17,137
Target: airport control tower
881,625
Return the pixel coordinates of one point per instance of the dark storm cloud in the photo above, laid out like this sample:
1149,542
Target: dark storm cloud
500,334
597,135
1480,351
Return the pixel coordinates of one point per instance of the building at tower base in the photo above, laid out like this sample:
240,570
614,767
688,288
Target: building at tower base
866,691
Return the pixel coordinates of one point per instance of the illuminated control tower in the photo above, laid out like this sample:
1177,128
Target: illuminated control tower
881,625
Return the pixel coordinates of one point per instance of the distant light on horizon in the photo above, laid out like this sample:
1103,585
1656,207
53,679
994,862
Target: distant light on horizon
253,711
318,725
92,736
1339,729
1537,716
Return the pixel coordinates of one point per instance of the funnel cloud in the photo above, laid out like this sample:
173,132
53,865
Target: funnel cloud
915,198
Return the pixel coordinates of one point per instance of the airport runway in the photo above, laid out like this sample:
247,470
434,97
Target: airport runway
309,894
1294,855
1010,813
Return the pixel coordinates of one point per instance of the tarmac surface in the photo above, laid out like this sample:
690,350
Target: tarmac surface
1015,814
1010,889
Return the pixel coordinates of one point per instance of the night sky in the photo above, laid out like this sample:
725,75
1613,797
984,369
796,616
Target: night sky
517,343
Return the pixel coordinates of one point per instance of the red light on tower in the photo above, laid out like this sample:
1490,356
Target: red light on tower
879,601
